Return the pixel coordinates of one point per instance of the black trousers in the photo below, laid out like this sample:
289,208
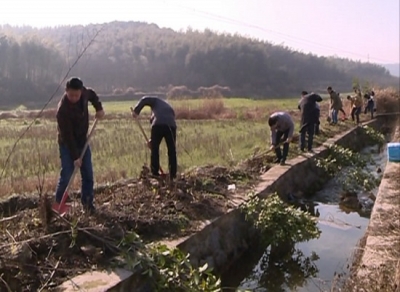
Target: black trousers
309,130
370,107
316,128
316,125
355,114
282,136
158,132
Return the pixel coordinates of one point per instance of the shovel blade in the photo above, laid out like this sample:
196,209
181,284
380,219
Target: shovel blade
61,209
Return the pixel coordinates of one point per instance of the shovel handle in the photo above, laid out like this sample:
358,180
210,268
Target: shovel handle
143,132
276,146
71,180
270,150
140,126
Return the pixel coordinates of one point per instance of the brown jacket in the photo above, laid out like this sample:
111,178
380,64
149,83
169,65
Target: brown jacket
357,100
73,121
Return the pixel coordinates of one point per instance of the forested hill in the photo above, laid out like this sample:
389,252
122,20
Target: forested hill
139,57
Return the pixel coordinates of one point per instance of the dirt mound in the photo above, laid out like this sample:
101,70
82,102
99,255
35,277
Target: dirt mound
258,164
8,115
41,250
14,203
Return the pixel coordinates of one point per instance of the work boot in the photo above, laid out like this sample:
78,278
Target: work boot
155,175
282,162
90,209
278,160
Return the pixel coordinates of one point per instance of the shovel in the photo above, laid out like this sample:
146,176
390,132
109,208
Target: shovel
272,149
62,207
328,118
147,140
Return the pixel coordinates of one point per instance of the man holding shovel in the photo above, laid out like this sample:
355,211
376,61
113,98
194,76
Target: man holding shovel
282,128
73,125
163,125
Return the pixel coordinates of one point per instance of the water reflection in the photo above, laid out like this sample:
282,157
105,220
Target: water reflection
282,267
306,266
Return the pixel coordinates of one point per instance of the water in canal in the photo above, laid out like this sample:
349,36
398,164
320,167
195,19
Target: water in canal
309,266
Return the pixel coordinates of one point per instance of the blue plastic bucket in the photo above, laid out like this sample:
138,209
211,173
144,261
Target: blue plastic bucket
393,151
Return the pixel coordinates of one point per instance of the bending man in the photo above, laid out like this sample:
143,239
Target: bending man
163,125
282,128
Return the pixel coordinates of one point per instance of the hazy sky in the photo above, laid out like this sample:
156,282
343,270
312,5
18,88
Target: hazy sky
356,29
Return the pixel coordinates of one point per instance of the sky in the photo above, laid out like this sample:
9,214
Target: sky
365,30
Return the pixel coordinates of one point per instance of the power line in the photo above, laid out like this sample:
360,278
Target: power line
49,100
289,37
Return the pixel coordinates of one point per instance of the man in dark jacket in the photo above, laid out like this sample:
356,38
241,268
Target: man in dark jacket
317,110
282,128
309,117
73,125
163,125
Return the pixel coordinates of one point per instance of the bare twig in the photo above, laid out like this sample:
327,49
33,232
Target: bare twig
40,176
16,242
5,283
48,255
45,236
12,237
12,264
5,219
85,230
51,276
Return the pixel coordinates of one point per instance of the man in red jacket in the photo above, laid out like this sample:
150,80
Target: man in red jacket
73,125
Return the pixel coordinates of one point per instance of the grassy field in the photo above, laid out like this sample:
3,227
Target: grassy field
119,149
232,103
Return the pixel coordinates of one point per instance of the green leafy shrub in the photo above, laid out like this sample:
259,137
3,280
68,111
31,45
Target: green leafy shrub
169,269
278,221
352,165
375,137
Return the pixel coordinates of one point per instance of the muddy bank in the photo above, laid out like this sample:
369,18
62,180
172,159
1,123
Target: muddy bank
376,263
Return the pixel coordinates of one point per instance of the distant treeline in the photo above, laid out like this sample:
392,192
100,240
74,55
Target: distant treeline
131,58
